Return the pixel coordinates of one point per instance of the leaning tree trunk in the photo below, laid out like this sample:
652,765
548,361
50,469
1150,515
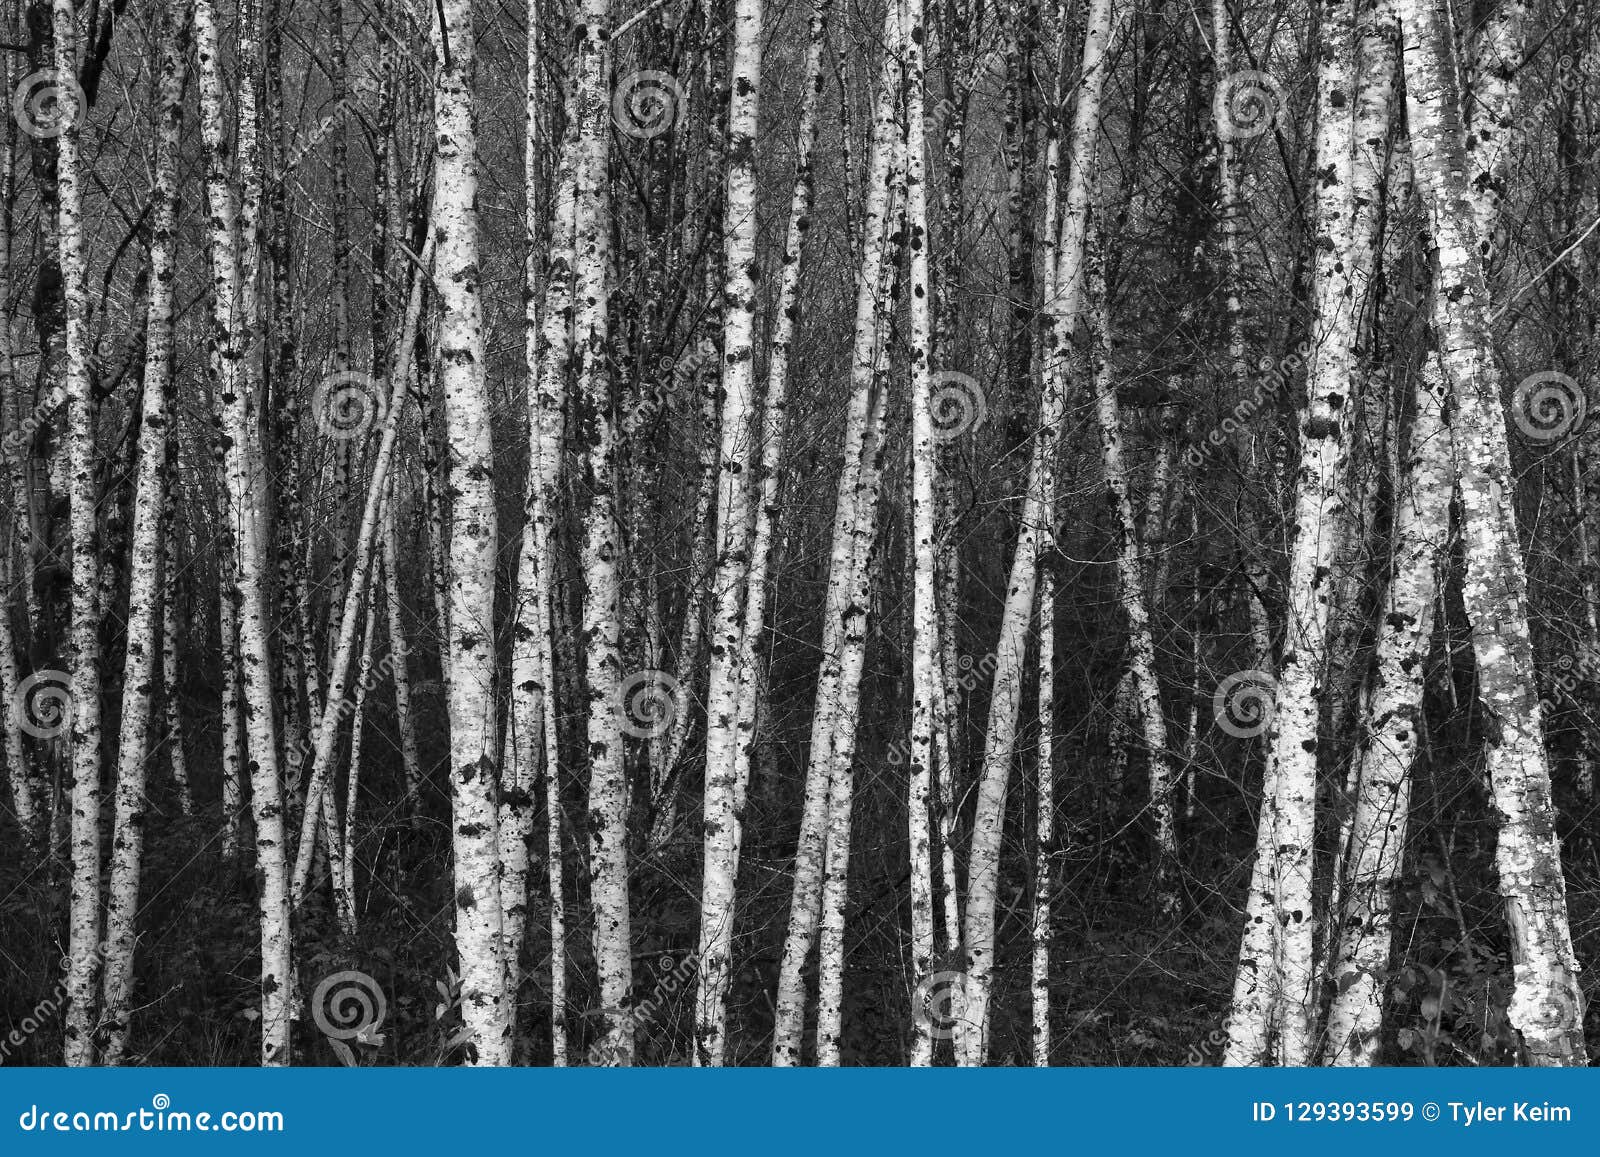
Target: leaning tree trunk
1061,319
1286,843
1145,689
1391,736
1546,1005
806,894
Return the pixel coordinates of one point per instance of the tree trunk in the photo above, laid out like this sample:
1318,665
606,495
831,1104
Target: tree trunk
472,540
1546,1005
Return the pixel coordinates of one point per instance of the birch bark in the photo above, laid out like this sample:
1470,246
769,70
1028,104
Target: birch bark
1391,735
472,540
1060,319
608,788
726,774
145,601
83,648
806,897
236,422
1546,1005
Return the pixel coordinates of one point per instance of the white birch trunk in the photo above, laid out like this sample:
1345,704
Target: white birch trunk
1391,736
806,897
472,541
1546,1005
608,788
1044,823
926,648
1061,316
236,421
726,774
145,621
83,648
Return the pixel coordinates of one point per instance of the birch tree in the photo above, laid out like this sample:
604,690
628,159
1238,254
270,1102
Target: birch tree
472,541
1546,1005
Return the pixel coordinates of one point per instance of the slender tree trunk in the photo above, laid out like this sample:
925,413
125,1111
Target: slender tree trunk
472,538
806,898
926,651
1287,842
727,774
236,422
1044,822
83,648
1391,736
608,788
1061,318
145,621
1144,687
